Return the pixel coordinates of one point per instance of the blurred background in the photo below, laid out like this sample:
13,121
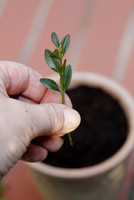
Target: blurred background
102,41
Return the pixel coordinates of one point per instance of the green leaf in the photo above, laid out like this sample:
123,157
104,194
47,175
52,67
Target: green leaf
64,64
55,39
55,54
52,62
67,77
65,44
49,83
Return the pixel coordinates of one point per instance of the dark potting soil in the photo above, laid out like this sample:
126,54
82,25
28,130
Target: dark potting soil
102,131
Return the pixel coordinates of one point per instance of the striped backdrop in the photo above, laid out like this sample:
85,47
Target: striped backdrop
102,41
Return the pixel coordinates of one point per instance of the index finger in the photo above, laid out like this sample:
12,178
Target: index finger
21,80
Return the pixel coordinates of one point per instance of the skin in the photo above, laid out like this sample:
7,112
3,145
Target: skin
32,118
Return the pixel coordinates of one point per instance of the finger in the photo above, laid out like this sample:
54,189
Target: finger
52,96
19,79
51,143
38,149
50,119
35,153
25,99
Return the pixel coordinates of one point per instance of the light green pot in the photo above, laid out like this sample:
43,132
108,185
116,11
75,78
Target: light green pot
102,181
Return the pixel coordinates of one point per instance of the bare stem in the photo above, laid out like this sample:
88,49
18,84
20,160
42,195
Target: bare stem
69,134
70,139
63,97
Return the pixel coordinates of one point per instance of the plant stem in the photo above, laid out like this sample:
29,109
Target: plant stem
69,134
63,94
63,98
70,139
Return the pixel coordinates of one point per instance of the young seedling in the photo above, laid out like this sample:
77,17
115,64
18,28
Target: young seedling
55,62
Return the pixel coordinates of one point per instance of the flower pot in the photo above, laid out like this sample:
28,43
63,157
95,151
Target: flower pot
98,181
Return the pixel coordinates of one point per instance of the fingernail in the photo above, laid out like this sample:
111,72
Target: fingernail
72,121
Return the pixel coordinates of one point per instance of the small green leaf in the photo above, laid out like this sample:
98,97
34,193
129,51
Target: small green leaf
55,54
67,77
65,44
64,64
49,83
52,62
55,39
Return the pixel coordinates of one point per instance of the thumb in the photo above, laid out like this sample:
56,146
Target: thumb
52,119
28,121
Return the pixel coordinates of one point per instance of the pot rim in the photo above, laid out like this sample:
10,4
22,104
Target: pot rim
126,101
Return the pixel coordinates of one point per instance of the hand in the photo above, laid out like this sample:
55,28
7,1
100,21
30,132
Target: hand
31,116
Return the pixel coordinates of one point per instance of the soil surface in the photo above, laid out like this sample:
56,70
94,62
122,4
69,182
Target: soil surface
102,131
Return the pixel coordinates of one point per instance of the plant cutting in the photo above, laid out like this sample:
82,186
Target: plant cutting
94,167
55,62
